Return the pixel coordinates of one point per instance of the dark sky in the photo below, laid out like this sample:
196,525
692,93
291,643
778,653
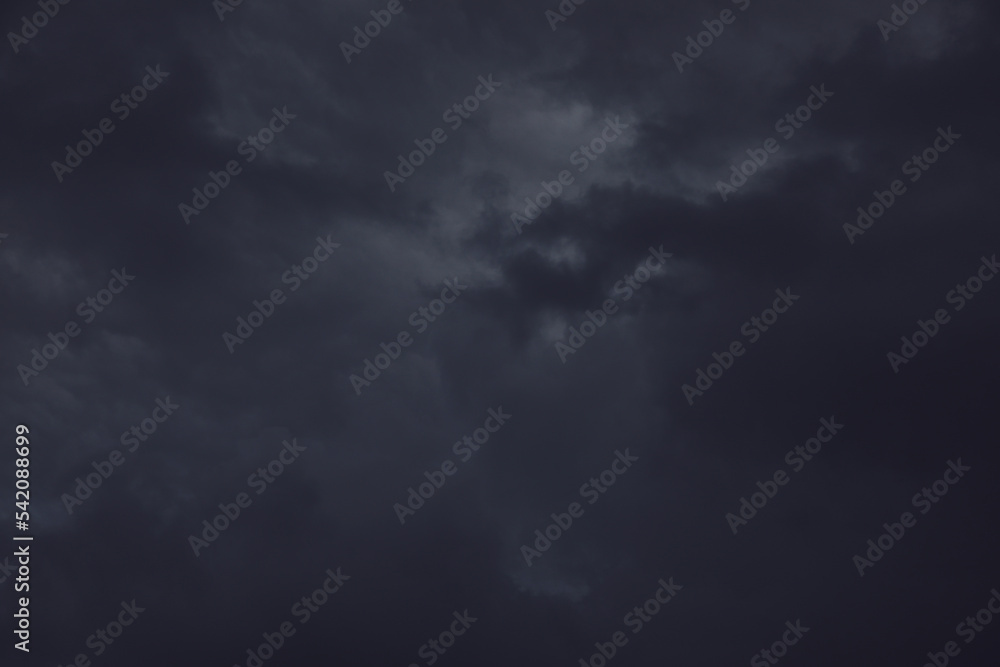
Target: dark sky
593,181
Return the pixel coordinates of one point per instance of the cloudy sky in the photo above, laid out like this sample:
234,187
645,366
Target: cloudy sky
410,296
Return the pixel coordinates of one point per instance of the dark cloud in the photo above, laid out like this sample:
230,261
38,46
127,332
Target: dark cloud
322,180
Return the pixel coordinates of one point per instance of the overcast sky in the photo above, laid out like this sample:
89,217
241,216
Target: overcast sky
487,255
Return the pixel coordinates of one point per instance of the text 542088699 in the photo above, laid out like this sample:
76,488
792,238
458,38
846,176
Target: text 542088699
22,553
